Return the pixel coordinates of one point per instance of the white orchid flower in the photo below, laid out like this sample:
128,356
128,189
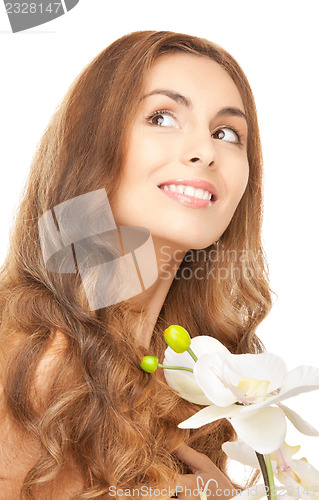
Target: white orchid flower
241,388
184,382
299,479
307,480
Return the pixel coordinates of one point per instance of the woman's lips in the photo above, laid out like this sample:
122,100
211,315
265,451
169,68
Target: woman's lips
188,200
196,183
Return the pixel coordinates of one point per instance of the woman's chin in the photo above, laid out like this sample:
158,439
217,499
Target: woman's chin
183,242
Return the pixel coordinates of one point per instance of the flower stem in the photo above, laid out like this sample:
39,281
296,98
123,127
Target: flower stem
265,463
270,477
175,367
193,355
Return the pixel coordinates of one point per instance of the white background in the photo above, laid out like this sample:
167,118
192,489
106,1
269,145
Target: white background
276,43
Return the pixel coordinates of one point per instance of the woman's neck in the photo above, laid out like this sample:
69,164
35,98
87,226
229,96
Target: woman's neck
152,299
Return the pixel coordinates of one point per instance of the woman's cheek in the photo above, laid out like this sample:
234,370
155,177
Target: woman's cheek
237,181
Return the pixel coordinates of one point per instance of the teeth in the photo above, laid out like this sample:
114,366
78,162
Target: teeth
200,193
189,190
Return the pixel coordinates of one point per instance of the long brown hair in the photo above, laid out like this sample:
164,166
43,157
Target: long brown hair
117,423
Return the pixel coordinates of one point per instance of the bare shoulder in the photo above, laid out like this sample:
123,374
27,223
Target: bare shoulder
20,451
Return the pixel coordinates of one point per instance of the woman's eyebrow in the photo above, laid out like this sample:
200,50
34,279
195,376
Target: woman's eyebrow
181,99
232,111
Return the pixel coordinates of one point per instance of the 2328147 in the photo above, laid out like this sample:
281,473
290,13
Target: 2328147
31,8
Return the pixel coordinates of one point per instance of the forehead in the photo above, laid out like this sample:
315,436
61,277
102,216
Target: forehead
197,77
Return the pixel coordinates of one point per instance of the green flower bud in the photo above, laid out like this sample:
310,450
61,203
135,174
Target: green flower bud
149,364
177,338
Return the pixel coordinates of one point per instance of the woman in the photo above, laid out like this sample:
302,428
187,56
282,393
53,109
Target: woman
152,111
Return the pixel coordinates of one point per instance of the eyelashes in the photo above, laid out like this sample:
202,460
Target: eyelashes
160,113
229,129
171,122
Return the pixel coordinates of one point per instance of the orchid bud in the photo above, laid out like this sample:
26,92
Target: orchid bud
177,338
149,364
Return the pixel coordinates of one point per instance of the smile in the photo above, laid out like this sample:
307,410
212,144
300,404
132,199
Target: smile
189,195
202,194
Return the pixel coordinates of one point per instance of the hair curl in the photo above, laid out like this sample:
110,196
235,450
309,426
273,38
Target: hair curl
117,423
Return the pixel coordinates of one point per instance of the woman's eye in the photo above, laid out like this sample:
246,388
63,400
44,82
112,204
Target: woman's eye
162,119
227,134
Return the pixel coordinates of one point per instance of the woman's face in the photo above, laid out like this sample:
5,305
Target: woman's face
190,127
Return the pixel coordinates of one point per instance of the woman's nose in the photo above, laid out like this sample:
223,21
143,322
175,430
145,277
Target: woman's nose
199,150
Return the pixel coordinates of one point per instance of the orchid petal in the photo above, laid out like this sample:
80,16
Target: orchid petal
285,453
211,384
178,359
200,345
263,366
300,424
282,494
184,382
240,451
298,380
308,475
204,344
300,488
208,415
219,375
263,430
285,497
287,480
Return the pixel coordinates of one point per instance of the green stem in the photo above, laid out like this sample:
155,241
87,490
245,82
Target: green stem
264,472
175,367
270,477
193,355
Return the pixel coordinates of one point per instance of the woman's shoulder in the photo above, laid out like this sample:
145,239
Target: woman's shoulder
20,451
